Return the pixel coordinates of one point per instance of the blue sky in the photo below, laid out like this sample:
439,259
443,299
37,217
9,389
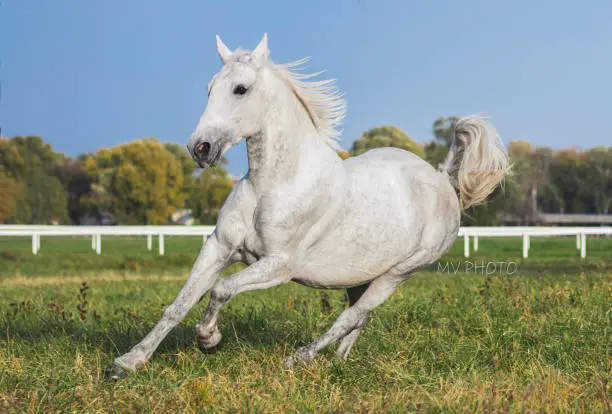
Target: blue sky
91,74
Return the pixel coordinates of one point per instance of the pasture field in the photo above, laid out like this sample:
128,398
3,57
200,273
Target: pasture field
535,337
61,256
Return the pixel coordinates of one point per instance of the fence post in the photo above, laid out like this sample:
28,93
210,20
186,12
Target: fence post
528,242
34,249
525,245
98,243
37,241
149,241
582,245
475,242
577,241
161,244
93,241
466,245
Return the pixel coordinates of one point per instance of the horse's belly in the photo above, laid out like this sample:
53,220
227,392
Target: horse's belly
349,257
334,277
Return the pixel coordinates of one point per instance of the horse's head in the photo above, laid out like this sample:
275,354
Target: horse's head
251,94
235,103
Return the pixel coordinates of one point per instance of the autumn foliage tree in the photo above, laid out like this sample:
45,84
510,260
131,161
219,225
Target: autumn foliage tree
143,182
187,164
208,194
436,150
11,193
34,166
598,169
386,136
137,182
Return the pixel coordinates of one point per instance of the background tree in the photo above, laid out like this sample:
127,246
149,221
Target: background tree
137,182
568,179
386,136
436,150
531,174
11,193
205,190
188,167
598,170
183,157
145,181
344,154
209,193
77,185
521,204
34,165
490,213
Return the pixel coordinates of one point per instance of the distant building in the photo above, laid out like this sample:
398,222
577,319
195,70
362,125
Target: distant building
106,219
551,219
183,217
576,219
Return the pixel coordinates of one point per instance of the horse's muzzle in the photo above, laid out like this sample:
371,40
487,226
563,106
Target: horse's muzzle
205,153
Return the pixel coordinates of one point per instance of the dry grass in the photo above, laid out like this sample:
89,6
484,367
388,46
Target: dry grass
103,277
442,343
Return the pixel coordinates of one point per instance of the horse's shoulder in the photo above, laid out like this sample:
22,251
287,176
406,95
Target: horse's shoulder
236,214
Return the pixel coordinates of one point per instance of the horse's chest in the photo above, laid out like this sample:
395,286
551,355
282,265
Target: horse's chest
276,228
253,248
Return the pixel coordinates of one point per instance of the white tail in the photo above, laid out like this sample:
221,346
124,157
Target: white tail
477,160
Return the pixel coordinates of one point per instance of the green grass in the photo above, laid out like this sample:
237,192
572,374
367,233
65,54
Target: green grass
538,339
73,255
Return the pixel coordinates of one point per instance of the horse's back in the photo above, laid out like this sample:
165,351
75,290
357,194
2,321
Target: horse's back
388,154
423,192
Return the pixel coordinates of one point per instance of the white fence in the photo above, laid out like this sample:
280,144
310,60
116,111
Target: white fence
96,233
527,233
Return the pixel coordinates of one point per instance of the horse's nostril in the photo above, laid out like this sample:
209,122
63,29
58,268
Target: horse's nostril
203,149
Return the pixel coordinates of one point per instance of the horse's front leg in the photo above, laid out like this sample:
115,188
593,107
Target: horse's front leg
266,273
211,260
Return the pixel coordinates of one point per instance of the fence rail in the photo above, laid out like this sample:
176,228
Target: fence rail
96,233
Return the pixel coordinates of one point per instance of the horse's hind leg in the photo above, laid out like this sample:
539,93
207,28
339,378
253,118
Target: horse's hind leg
350,321
348,341
352,318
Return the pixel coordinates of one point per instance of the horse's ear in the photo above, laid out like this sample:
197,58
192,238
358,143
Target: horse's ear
224,53
261,51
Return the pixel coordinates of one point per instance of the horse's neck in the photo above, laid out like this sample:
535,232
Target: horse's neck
280,156
289,149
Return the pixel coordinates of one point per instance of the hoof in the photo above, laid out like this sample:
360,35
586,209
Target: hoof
289,362
115,372
302,355
208,341
208,350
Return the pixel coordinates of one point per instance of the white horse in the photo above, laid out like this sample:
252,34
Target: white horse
302,214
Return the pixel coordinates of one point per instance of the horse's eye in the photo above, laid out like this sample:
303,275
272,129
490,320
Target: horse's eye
240,90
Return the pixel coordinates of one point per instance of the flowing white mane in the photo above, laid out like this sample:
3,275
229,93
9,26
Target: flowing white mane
323,102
